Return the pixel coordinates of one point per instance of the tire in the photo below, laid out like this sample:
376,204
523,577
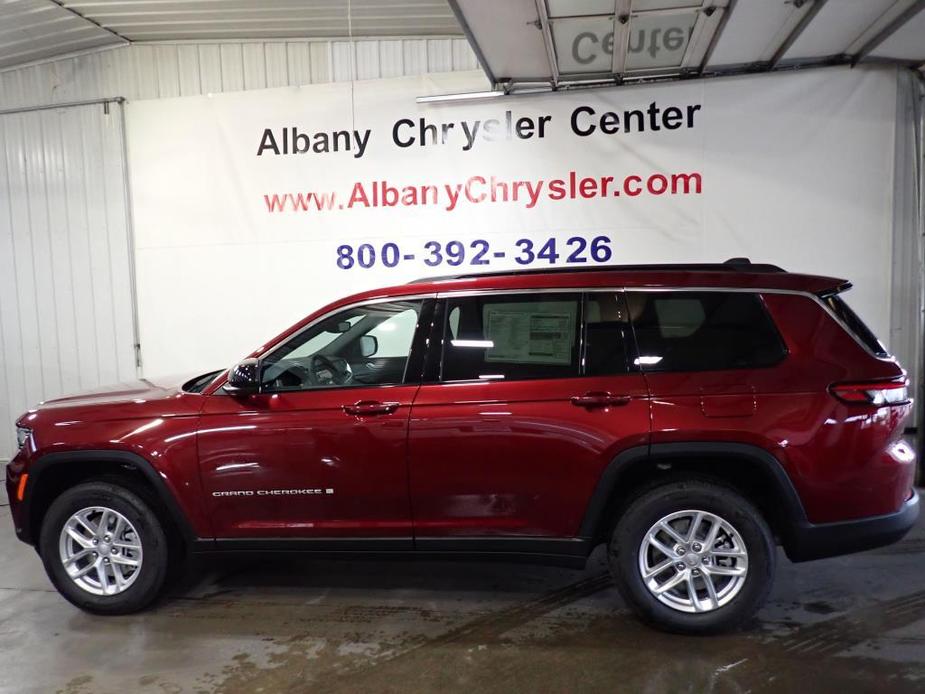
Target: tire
734,598
141,539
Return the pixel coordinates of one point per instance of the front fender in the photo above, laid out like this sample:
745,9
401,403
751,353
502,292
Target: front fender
43,466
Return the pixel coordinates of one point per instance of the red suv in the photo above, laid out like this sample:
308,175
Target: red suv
691,417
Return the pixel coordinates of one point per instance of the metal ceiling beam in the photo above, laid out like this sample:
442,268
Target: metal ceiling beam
621,29
545,27
716,36
887,31
797,30
470,37
60,3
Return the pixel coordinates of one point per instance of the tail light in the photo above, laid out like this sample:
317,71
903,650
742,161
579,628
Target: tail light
878,393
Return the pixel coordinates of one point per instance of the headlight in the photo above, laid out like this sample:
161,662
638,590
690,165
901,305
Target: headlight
22,435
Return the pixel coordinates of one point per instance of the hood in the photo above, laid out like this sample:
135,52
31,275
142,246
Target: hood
142,398
120,392
143,389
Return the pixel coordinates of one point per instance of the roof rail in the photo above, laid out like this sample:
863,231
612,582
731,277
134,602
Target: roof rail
731,265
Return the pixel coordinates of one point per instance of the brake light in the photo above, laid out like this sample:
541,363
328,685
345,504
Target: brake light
21,489
878,393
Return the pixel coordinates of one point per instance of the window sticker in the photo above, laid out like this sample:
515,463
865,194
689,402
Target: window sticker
530,332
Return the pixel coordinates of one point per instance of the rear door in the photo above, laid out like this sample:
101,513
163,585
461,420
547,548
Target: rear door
526,399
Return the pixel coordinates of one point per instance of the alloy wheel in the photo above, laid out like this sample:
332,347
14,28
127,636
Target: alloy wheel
100,550
693,561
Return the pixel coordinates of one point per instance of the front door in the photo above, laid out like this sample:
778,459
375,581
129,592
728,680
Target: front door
321,451
530,403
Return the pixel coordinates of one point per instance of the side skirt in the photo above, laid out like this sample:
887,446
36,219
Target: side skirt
566,552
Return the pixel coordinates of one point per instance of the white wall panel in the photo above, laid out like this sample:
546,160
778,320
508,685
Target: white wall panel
276,65
162,70
367,60
210,71
188,75
168,68
391,58
439,56
415,57
254,59
65,291
342,61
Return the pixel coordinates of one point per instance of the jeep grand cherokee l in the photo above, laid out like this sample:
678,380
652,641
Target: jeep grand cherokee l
691,418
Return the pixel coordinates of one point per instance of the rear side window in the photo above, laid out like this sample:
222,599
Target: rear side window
511,337
608,335
703,331
853,322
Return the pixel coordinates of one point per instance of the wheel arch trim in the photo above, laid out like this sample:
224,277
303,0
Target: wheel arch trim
609,481
39,467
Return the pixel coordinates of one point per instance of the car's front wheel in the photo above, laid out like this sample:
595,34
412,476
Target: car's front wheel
104,549
693,557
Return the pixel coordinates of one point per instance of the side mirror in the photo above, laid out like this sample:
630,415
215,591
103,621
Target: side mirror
369,345
244,378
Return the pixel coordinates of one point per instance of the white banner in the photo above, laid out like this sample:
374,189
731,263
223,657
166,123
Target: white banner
253,209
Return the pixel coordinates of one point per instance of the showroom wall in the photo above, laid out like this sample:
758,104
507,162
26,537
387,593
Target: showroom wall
66,290
66,246
292,198
66,304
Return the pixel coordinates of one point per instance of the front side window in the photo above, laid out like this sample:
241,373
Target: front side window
511,337
363,346
702,331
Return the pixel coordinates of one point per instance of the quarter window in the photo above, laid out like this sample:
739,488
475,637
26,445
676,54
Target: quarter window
702,331
857,326
511,337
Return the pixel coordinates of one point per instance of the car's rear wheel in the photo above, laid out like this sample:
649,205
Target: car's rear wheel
693,557
104,549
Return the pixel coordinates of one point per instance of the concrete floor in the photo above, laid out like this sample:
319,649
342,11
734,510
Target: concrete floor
293,624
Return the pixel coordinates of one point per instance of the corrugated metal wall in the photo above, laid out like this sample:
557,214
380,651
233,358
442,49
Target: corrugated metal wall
65,300
906,310
65,289
157,71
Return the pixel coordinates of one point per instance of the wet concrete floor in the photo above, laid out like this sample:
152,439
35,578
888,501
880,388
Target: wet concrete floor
293,624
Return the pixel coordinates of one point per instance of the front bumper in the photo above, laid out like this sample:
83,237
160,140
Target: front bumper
14,470
817,541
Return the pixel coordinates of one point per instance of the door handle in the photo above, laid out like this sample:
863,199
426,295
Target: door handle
369,407
599,399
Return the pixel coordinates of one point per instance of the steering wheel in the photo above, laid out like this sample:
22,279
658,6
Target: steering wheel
330,372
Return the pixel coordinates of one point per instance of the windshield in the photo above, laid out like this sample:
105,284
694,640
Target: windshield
197,384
